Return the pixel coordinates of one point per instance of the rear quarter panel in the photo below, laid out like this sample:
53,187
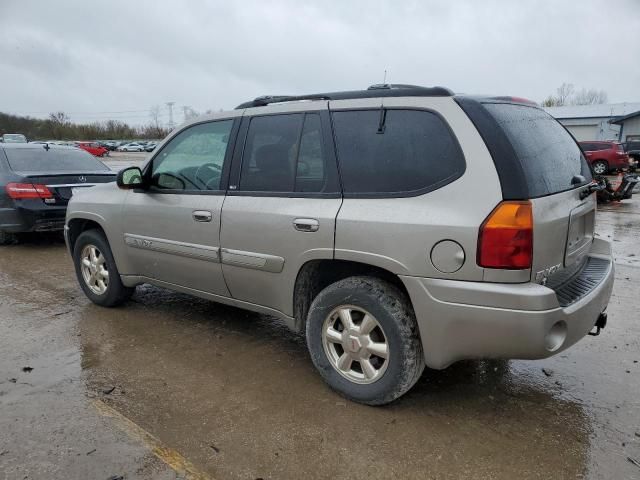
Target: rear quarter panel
398,234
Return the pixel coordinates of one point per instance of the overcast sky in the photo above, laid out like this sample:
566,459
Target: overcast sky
93,58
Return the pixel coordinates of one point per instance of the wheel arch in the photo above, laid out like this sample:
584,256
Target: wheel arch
77,225
315,275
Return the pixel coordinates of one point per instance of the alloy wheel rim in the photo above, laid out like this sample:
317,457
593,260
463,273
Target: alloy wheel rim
599,168
94,269
355,344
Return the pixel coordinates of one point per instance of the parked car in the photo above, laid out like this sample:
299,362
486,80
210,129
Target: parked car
36,182
93,148
605,157
131,147
111,145
396,227
150,147
13,138
632,148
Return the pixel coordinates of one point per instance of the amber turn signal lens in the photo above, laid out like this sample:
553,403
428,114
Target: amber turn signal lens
505,239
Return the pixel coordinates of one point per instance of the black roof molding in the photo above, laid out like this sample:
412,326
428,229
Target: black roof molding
374,91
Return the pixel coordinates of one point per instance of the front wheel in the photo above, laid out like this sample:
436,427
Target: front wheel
600,167
363,339
96,270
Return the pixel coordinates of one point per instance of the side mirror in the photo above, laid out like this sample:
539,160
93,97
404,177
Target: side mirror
129,178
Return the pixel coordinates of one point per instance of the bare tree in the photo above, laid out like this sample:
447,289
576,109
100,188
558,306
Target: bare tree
60,118
568,96
589,97
564,93
59,122
154,113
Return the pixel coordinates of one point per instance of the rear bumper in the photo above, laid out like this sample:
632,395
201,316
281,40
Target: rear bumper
32,217
461,320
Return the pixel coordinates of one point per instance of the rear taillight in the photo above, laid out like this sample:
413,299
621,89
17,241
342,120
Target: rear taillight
506,237
27,190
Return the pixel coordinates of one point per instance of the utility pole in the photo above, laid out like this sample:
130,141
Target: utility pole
186,110
170,106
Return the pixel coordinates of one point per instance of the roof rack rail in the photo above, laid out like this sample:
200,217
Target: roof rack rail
394,86
374,91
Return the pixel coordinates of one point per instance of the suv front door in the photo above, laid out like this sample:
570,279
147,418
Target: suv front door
172,229
281,205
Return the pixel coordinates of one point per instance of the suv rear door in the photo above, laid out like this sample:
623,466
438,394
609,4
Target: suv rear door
282,202
538,160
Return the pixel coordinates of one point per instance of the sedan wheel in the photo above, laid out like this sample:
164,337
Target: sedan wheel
94,269
600,168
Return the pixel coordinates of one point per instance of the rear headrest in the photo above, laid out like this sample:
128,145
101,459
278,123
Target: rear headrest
273,157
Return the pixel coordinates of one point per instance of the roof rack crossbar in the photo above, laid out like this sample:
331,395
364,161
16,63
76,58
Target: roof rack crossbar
374,91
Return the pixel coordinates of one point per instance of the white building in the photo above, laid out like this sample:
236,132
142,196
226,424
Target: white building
629,127
596,122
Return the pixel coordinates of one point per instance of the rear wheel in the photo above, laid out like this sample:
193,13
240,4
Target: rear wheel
96,270
7,238
600,167
363,339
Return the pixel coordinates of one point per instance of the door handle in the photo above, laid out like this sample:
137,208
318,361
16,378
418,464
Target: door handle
306,224
202,215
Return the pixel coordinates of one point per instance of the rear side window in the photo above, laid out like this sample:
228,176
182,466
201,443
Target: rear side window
395,151
587,147
52,160
284,153
547,153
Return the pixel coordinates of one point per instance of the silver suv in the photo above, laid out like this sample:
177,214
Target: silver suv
396,226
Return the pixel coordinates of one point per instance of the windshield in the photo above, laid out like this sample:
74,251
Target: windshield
53,160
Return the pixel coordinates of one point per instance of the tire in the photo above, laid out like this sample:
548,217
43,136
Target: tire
115,293
600,167
7,238
396,327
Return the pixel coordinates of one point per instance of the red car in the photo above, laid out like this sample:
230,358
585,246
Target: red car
605,157
93,148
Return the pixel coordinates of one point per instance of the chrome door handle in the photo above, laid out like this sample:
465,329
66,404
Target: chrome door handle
202,215
306,224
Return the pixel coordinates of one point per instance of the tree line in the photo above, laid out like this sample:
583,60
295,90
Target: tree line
59,127
566,94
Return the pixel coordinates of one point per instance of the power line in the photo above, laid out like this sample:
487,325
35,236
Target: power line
81,113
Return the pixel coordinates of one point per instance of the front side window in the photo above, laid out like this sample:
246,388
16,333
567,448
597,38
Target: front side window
284,153
395,151
193,159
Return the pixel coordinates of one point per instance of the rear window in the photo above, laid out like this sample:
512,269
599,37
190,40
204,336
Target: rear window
52,160
548,154
395,151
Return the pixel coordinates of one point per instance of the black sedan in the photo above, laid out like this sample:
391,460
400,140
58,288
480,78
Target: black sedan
36,183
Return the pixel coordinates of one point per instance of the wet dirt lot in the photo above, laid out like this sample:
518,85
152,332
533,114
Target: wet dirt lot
169,386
